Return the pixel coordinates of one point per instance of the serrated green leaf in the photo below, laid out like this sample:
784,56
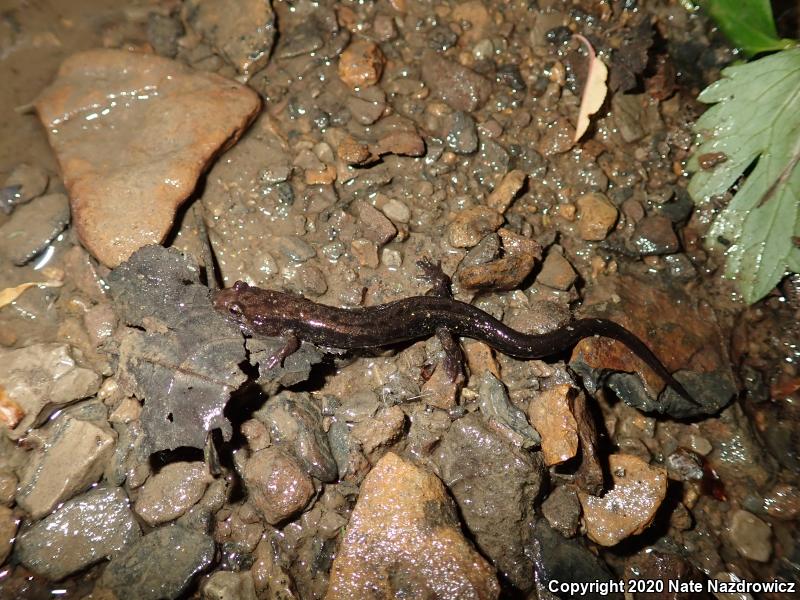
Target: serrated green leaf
748,24
755,118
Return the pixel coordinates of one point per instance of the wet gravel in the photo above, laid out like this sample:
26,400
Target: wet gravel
149,450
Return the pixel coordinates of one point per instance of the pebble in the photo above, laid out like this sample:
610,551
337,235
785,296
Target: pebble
396,210
171,492
41,221
375,225
377,433
459,87
638,489
30,180
40,379
295,423
556,272
471,225
367,104
596,216
549,412
74,456
562,509
8,531
87,529
8,487
404,532
782,502
361,64
170,133
501,414
461,134
751,536
242,31
495,485
685,465
230,585
507,272
654,236
502,196
161,565
557,138
277,484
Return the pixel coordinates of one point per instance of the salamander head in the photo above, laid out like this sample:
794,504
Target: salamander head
252,308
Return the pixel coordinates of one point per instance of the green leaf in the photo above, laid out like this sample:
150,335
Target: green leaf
748,24
755,119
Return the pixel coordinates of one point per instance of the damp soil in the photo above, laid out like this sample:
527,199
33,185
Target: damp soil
391,132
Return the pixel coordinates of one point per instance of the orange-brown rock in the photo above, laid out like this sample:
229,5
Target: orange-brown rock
361,64
132,133
629,506
404,541
549,412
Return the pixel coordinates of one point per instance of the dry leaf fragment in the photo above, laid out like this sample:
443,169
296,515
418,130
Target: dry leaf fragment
8,295
594,92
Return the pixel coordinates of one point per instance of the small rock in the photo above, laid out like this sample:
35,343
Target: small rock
396,211
94,526
461,135
562,509
440,391
549,412
73,457
361,64
367,104
170,133
163,33
375,225
502,196
596,216
30,182
277,484
685,465
230,585
172,491
629,506
8,487
365,252
782,502
160,565
654,236
470,225
41,221
461,88
295,422
495,485
502,415
353,152
557,138
380,431
403,143
243,32
8,531
40,379
404,537
557,272
507,272
751,537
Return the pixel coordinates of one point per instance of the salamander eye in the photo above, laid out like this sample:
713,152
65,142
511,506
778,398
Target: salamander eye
240,286
235,309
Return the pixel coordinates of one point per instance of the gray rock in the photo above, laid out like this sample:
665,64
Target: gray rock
28,181
160,565
172,491
295,423
495,486
72,458
462,135
8,531
41,221
40,379
562,509
458,86
96,525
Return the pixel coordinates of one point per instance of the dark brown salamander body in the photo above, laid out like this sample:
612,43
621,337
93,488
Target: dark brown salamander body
272,313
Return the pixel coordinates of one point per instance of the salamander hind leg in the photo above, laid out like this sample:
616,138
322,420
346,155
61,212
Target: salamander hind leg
453,359
433,274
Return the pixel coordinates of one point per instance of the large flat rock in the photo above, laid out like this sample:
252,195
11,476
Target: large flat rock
132,133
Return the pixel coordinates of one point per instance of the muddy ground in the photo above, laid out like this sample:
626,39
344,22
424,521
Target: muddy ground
149,449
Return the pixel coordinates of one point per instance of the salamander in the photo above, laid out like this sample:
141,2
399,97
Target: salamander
295,318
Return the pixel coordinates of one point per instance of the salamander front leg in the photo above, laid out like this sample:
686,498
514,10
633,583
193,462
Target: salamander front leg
292,343
453,359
